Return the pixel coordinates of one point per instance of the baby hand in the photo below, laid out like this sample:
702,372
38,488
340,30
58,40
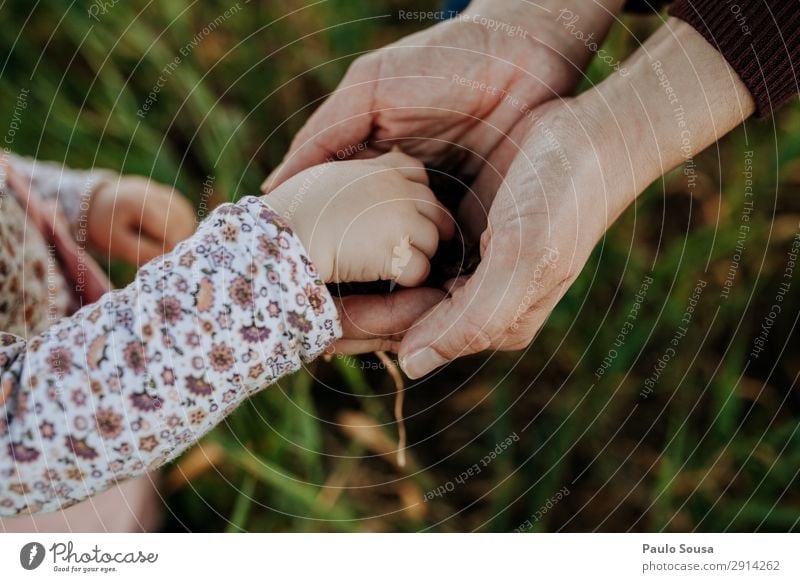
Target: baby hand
136,219
366,220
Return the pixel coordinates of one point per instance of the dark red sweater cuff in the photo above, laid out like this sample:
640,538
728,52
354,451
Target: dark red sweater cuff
759,38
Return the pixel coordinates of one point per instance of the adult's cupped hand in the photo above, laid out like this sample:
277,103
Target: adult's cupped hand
461,95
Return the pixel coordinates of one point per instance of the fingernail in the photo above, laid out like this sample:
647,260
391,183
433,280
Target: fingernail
421,362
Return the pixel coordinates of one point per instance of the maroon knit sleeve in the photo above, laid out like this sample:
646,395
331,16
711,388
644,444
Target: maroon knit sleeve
759,38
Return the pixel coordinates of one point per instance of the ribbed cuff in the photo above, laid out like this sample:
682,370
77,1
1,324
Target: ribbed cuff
760,39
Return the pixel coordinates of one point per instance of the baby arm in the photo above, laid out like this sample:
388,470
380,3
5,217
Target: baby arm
72,190
129,382
128,217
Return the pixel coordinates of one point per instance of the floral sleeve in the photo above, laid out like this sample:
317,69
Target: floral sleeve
129,382
71,189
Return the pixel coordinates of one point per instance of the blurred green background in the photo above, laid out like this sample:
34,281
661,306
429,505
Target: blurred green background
715,447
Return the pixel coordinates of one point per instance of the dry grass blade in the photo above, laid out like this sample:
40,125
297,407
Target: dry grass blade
400,388
335,485
198,461
367,432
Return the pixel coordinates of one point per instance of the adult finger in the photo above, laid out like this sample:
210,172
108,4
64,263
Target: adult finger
375,322
455,283
342,122
355,347
507,285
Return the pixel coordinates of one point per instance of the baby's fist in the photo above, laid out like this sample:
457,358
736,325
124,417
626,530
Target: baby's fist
366,220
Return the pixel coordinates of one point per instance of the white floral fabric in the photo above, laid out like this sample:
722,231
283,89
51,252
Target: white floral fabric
127,383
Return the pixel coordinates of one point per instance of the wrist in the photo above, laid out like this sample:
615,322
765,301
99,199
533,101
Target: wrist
565,151
676,97
288,204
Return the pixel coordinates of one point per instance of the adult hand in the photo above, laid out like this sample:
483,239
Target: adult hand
372,323
546,217
582,163
508,56
464,83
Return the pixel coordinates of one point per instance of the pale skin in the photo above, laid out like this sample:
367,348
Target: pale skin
136,219
366,220
404,94
539,221
339,212
547,217
369,220
539,217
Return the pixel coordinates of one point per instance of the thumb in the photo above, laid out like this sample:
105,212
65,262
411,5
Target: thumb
342,123
478,314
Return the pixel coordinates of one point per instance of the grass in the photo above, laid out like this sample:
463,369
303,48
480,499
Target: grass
715,447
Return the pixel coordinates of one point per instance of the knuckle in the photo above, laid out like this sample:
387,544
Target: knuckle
363,63
426,196
471,336
415,272
407,220
545,271
394,179
426,238
517,343
385,345
410,161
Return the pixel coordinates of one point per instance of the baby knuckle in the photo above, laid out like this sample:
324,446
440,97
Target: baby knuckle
426,196
415,272
409,161
426,238
407,217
